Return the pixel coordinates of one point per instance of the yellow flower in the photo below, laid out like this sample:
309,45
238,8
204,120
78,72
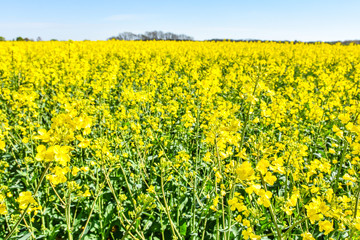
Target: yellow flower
85,169
2,145
264,198
249,234
232,203
253,188
314,210
75,170
58,175
357,224
337,131
86,194
269,178
246,223
349,178
215,203
262,166
237,203
218,176
344,118
307,236
59,154
151,189
326,226
43,135
43,154
207,157
245,171
246,233
84,144
3,210
24,199
242,154
238,218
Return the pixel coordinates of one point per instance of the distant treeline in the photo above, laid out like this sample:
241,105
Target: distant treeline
346,42
154,35
25,39
159,35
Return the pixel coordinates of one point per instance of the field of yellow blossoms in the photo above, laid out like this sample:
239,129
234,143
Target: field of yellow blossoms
179,140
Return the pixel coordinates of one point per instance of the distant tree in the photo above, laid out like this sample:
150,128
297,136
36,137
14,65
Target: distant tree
54,39
28,39
2,38
38,39
143,37
170,36
153,35
127,36
24,39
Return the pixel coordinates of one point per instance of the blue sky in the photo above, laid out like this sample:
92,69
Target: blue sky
305,20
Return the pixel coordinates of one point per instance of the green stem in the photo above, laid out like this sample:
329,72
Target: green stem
295,224
27,207
91,211
68,216
133,222
340,166
195,175
173,229
355,212
203,234
273,217
118,205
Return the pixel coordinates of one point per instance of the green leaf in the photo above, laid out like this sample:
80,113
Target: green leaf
147,224
26,236
183,229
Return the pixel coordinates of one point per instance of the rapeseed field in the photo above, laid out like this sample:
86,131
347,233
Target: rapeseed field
179,140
